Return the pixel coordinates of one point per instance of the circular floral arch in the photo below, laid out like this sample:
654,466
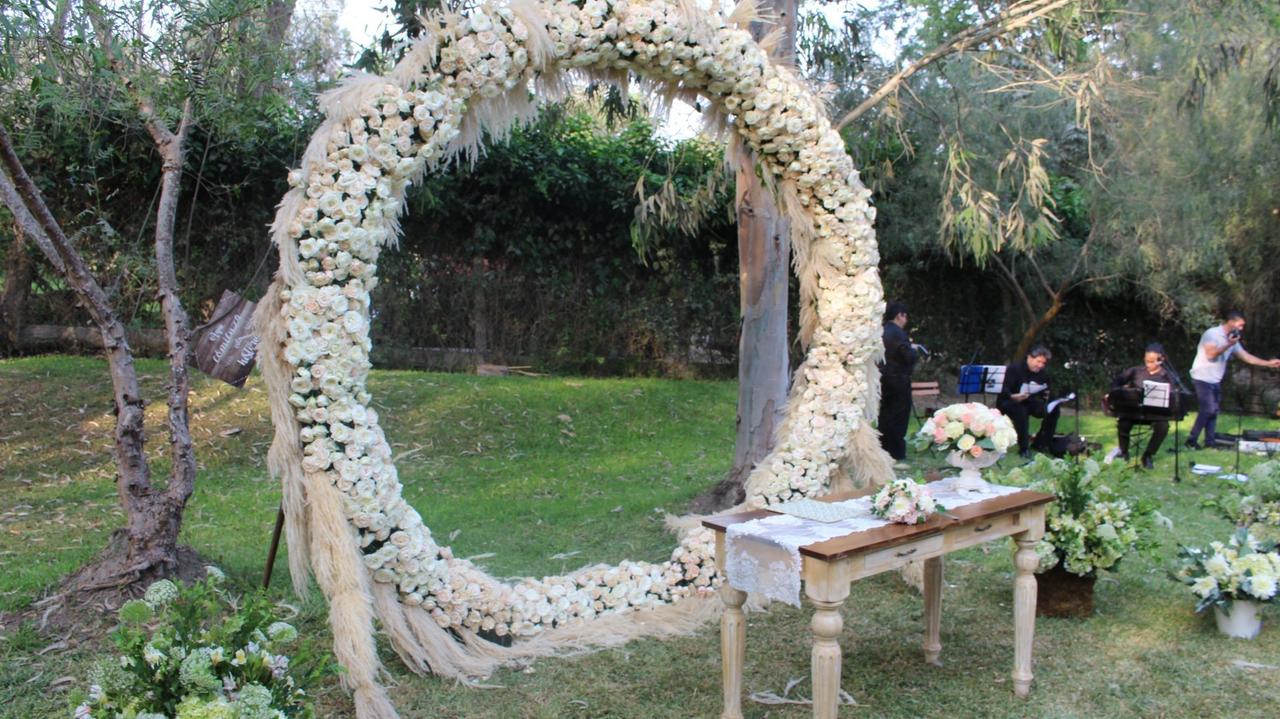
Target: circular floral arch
347,522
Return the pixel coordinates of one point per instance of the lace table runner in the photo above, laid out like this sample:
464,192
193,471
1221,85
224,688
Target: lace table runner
763,555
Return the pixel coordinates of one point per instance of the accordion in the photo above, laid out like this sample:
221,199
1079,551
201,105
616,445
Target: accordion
1139,405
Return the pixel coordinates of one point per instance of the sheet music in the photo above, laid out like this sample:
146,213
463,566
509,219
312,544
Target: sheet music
1155,394
1054,404
1032,387
995,378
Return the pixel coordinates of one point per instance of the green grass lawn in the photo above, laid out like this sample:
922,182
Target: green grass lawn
543,475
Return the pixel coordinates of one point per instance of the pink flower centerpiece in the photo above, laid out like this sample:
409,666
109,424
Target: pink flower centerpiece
973,435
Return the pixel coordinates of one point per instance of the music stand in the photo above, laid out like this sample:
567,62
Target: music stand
1235,472
1175,404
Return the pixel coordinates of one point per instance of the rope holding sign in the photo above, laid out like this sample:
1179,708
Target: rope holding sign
347,524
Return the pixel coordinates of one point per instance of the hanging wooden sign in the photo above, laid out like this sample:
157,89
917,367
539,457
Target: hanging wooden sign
226,348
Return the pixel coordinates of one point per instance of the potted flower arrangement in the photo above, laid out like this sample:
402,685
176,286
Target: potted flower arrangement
1254,505
973,436
1091,527
1234,578
905,502
196,652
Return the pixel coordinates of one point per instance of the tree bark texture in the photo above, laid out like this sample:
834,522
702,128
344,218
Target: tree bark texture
177,331
17,287
134,480
764,254
764,249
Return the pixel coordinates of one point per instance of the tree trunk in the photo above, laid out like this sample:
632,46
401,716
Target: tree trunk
1029,336
134,479
166,515
764,251
17,287
279,15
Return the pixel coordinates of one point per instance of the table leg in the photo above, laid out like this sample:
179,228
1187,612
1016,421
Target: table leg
933,610
826,624
733,647
1024,612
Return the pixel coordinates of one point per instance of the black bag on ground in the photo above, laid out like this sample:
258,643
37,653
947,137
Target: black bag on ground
1070,445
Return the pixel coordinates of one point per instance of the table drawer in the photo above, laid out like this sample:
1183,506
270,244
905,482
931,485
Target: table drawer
894,556
982,531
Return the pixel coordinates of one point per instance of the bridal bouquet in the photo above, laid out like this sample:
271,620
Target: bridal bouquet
905,502
971,429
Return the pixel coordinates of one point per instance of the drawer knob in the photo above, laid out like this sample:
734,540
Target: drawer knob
909,552
983,527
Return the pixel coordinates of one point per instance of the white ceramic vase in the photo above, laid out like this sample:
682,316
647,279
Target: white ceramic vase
1242,621
970,479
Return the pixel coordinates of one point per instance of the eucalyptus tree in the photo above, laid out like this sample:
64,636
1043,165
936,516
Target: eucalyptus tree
1110,148
978,139
1192,199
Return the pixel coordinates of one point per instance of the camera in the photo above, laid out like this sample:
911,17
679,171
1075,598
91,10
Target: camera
1235,334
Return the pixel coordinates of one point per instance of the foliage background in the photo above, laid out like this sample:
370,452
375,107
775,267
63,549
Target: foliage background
536,254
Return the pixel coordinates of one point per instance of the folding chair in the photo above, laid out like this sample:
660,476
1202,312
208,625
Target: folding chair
927,393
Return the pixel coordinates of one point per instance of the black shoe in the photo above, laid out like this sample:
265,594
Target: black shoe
1190,444
1147,462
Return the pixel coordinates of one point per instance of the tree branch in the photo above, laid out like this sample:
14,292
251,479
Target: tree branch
1023,300
1012,18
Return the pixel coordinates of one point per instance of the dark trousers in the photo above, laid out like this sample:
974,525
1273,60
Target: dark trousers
1159,430
895,413
1020,414
1209,397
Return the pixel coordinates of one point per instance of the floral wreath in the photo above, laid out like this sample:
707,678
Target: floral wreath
367,547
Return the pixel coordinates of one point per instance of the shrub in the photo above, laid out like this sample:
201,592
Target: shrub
198,652
1094,523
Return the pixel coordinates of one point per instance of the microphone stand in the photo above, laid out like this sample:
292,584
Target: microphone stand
1240,422
1180,388
1075,375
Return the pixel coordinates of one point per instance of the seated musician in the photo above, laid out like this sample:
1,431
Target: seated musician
1025,394
1152,369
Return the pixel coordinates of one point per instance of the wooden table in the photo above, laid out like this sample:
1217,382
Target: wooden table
830,567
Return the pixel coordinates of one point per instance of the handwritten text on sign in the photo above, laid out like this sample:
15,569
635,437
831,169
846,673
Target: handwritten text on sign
227,348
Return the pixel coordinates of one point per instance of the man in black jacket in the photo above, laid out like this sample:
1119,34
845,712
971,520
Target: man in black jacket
1025,394
895,381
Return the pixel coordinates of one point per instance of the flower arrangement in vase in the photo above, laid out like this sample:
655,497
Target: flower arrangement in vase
1091,526
905,502
1234,578
973,435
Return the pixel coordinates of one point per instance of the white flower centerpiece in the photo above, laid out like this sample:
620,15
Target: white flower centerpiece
1234,578
973,435
905,502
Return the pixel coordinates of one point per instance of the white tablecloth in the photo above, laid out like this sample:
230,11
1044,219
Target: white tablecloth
763,555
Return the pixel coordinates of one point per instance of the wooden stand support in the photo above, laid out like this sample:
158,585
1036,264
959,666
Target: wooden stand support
733,649
1024,611
275,546
933,611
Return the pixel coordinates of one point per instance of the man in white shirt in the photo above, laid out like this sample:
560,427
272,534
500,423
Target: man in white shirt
1217,345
